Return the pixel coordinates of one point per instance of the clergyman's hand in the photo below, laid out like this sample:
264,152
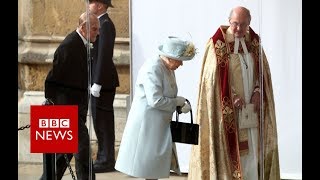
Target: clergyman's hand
238,102
255,99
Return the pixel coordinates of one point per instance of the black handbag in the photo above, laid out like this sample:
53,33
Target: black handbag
183,132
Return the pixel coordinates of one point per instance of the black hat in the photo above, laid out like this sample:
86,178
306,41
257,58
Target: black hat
107,2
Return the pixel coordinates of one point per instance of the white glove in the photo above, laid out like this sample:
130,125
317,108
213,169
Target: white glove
186,108
180,101
95,90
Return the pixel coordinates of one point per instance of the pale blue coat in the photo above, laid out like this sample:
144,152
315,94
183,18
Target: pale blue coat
146,146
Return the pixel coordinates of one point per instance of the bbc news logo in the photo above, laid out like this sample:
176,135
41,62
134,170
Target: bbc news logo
54,129
52,134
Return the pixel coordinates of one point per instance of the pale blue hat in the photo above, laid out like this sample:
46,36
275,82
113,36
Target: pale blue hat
177,49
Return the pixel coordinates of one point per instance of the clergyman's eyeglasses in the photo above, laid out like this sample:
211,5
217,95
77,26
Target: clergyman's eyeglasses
235,24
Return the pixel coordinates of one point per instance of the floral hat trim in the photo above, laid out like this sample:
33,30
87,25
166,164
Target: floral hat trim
190,50
177,49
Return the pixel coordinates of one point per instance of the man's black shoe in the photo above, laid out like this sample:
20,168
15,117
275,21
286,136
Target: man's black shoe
101,168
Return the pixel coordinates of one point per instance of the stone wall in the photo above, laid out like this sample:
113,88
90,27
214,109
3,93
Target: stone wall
42,25
59,17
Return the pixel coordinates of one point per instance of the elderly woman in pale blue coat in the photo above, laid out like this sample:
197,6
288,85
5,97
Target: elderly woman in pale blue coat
146,148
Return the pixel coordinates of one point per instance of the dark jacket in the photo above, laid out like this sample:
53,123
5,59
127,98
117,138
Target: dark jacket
70,69
104,70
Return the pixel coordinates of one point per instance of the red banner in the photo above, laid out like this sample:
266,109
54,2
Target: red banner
54,129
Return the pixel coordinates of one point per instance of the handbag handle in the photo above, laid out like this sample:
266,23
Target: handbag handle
178,109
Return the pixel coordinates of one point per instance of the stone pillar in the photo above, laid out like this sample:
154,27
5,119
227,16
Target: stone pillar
29,98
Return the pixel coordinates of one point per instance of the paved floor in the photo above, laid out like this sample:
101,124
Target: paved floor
27,171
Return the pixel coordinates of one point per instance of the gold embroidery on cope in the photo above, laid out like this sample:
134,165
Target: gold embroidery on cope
221,52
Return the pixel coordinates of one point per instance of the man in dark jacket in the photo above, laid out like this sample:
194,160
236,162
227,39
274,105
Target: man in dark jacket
67,84
105,81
